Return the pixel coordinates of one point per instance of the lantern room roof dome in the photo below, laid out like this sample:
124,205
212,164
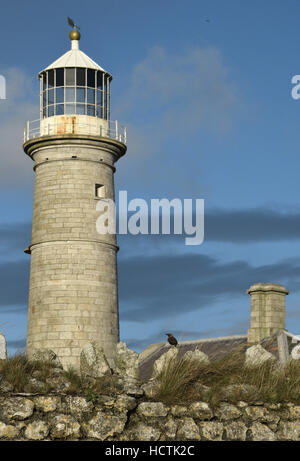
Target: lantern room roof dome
75,58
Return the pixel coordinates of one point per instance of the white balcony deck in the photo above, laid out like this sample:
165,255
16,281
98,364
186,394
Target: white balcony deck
69,124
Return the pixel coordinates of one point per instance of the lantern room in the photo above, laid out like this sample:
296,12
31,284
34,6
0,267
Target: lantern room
75,97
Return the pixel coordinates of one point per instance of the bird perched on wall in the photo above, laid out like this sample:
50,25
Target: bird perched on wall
171,340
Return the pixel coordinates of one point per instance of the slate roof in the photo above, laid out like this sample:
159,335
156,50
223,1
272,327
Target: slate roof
271,344
215,348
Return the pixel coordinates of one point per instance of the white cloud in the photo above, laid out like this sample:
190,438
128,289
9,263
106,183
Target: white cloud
181,93
21,104
169,103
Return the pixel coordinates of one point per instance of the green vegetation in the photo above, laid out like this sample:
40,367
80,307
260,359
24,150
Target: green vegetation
18,374
184,381
181,382
17,370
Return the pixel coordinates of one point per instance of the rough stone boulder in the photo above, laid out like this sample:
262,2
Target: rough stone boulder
126,361
198,356
131,386
163,361
46,355
93,362
103,425
150,388
3,353
257,355
17,408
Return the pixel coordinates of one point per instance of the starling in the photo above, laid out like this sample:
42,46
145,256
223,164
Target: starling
171,340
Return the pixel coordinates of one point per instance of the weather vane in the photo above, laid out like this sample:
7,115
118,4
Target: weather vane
72,24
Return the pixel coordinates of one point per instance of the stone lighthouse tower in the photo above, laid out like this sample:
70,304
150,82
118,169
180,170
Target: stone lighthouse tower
73,296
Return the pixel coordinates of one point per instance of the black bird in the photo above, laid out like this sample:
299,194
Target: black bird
171,340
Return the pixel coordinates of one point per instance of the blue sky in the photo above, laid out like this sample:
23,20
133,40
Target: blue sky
204,88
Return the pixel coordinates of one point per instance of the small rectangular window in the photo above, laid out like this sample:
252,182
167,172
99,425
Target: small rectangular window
100,191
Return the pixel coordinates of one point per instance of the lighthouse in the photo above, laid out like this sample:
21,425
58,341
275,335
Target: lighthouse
73,292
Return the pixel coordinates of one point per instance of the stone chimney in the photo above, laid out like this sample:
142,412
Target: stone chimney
267,310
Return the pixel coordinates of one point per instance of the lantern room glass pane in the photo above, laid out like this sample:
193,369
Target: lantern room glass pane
50,78
70,94
45,112
99,98
105,106
44,98
51,96
99,80
50,111
91,78
99,111
80,109
70,76
59,109
90,110
90,96
59,95
44,80
70,109
80,94
59,77
80,76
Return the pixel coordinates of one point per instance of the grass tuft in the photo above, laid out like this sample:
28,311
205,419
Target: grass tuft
17,370
185,381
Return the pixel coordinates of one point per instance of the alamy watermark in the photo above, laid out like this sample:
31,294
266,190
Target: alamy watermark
176,216
2,87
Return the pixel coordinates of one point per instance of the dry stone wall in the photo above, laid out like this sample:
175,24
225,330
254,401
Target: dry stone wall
130,418
130,412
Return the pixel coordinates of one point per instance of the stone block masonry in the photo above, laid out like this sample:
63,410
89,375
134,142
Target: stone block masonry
267,310
73,296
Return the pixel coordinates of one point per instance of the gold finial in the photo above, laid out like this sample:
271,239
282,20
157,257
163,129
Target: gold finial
74,34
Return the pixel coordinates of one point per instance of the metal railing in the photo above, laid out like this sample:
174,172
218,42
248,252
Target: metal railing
109,129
